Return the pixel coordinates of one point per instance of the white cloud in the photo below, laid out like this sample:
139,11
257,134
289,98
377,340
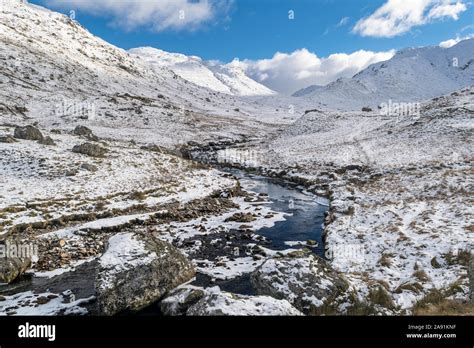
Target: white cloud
451,42
448,10
289,72
157,15
343,22
448,43
396,17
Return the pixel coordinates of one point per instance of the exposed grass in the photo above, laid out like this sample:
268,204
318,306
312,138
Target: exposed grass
436,303
381,297
421,275
386,260
138,196
462,257
413,287
435,263
360,308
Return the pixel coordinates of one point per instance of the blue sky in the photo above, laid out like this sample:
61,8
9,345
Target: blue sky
257,29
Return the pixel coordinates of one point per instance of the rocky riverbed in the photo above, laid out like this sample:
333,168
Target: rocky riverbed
130,254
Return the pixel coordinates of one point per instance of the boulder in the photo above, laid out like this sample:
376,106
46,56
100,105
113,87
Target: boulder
136,271
178,301
12,267
28,133
89,149
83,131
227,304
47,141
89,167
304,279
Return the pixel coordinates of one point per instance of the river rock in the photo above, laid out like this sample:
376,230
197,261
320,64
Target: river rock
12,267
89,149
227,304
178,301
241,217
304,279
136,271
28,133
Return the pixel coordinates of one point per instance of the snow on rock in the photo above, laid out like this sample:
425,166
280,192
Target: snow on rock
305,280
44,304
178,301
136,271
226,268
194,301
228,304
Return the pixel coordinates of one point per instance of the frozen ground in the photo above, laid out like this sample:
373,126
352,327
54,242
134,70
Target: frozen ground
41,183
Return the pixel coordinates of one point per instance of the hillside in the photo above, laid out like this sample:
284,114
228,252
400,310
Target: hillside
57,73
412,75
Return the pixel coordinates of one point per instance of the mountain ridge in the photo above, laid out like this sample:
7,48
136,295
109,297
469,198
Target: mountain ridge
224,78
412,75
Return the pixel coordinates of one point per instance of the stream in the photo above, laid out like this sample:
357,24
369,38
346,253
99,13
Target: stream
302,227
304,222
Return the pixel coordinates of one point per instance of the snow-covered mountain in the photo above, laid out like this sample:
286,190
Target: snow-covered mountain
413,74
52,70
307,90
224,78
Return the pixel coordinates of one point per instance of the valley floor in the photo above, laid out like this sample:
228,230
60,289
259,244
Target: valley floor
398,232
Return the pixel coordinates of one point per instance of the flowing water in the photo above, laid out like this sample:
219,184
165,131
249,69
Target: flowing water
303,227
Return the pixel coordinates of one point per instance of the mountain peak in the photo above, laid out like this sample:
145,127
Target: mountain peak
225,78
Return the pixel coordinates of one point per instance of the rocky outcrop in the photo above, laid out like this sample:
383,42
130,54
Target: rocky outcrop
12,267
83,131
304,279
136,271
227,304
89,149
28,133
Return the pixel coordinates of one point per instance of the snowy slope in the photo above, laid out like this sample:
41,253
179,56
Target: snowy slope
412,75
227,78
307,90
52,69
